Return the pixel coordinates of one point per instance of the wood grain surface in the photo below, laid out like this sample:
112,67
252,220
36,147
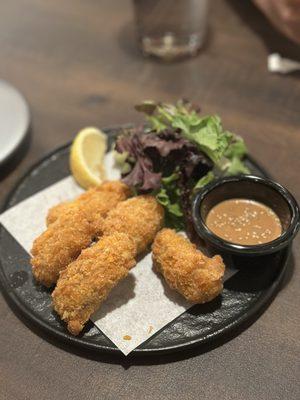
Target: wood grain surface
77,64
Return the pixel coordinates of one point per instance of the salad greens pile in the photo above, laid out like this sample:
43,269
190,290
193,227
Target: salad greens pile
177,152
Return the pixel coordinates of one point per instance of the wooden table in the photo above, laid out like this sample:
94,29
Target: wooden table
77,64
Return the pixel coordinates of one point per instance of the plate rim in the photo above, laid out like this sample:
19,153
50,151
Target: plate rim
13,149
261,303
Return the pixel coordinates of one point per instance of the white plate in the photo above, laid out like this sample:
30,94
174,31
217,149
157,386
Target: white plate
14,120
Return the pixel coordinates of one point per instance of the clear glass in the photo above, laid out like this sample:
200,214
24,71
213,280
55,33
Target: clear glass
171,29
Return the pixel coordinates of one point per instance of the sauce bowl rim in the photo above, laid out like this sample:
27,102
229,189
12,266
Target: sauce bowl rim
283,240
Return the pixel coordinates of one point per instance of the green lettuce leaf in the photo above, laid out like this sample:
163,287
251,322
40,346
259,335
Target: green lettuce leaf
121,161
206,132
236,148
236,167
225,149
206,179
169,197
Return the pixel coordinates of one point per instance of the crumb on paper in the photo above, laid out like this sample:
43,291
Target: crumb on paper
127,337
150,329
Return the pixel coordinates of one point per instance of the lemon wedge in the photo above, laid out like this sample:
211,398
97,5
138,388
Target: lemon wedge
86,157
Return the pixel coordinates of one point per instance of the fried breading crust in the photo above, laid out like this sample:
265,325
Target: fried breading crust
77,224
59,245
140,217
96,202
55,212
86,283
197,277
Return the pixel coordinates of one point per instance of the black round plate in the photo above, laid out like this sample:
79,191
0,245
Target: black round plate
244,297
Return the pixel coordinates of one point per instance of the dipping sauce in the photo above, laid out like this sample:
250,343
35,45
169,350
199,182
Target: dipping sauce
244,221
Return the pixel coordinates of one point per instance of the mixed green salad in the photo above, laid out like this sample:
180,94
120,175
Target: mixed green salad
175,153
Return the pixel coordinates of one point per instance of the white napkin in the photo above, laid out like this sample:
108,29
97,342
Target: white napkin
281,65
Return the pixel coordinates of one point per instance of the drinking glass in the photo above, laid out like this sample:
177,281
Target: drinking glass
171,29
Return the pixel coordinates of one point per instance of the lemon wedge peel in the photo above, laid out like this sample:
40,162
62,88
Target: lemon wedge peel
86,157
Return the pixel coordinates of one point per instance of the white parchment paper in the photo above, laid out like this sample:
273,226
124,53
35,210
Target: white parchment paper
26,220
139,306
